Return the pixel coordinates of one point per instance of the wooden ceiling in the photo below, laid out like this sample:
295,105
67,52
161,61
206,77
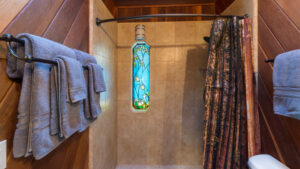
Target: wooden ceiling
125,8
159,2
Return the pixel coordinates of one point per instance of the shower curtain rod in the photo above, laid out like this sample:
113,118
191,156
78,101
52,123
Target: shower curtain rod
99,21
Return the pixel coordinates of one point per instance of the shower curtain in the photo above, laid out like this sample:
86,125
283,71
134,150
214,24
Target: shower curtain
226,109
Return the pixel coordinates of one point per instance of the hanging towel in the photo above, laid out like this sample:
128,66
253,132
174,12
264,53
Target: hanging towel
97,74
15,67
71,92
32,135
74,76
286,82
95,86
32,132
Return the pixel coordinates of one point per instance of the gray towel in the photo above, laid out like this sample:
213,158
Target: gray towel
96,85
72,91
99,84
75,78
286,82
32,135
15,66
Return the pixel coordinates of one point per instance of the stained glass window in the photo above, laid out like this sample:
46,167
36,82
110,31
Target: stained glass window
140,74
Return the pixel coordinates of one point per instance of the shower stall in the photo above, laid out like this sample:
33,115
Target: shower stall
170,133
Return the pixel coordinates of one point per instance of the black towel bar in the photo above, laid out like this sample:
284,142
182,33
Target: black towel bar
269,60
28,58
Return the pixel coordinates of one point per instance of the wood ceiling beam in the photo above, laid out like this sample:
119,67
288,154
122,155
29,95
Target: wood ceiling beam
120,3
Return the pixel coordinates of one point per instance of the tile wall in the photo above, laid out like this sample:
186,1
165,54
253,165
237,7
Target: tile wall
103,132
170,131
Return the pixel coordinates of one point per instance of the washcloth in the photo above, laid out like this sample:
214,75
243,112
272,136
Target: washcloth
96,85
32,135
286,82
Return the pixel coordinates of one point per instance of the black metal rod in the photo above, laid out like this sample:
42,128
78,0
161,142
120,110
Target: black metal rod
28,58
99,21
9,38
269,60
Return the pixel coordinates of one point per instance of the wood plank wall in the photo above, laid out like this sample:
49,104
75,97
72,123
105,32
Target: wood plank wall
221,5
278,31
125,8
64,21
120,8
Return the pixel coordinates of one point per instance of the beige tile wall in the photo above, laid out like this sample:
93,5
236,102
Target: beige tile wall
103,132
169,132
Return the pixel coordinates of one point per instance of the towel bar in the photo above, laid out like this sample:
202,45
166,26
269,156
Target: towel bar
28,58
269,60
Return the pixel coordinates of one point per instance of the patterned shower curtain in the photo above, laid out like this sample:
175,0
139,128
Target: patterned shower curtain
225,135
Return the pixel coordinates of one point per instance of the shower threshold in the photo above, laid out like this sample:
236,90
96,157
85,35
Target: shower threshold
159,167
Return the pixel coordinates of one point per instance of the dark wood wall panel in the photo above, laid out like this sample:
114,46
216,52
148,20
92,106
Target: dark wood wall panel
159,2
287,147
64,21
291,9
35,17
278,32
221,5
280,24
267,140
125,8
265,36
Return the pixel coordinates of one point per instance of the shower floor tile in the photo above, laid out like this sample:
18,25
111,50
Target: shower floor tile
157,167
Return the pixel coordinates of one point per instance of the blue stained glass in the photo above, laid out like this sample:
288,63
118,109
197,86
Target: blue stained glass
140,75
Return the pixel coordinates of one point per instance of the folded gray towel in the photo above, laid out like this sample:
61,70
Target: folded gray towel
33,134
72,84
54,99
95,86
286,82
99,84
75,78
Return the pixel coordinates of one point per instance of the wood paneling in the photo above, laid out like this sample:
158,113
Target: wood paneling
125,8
280,24
111,6
221,5
120,8
278,32
9,9
291,9
159,2
64,21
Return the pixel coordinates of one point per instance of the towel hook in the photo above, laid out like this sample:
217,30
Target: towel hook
9,38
